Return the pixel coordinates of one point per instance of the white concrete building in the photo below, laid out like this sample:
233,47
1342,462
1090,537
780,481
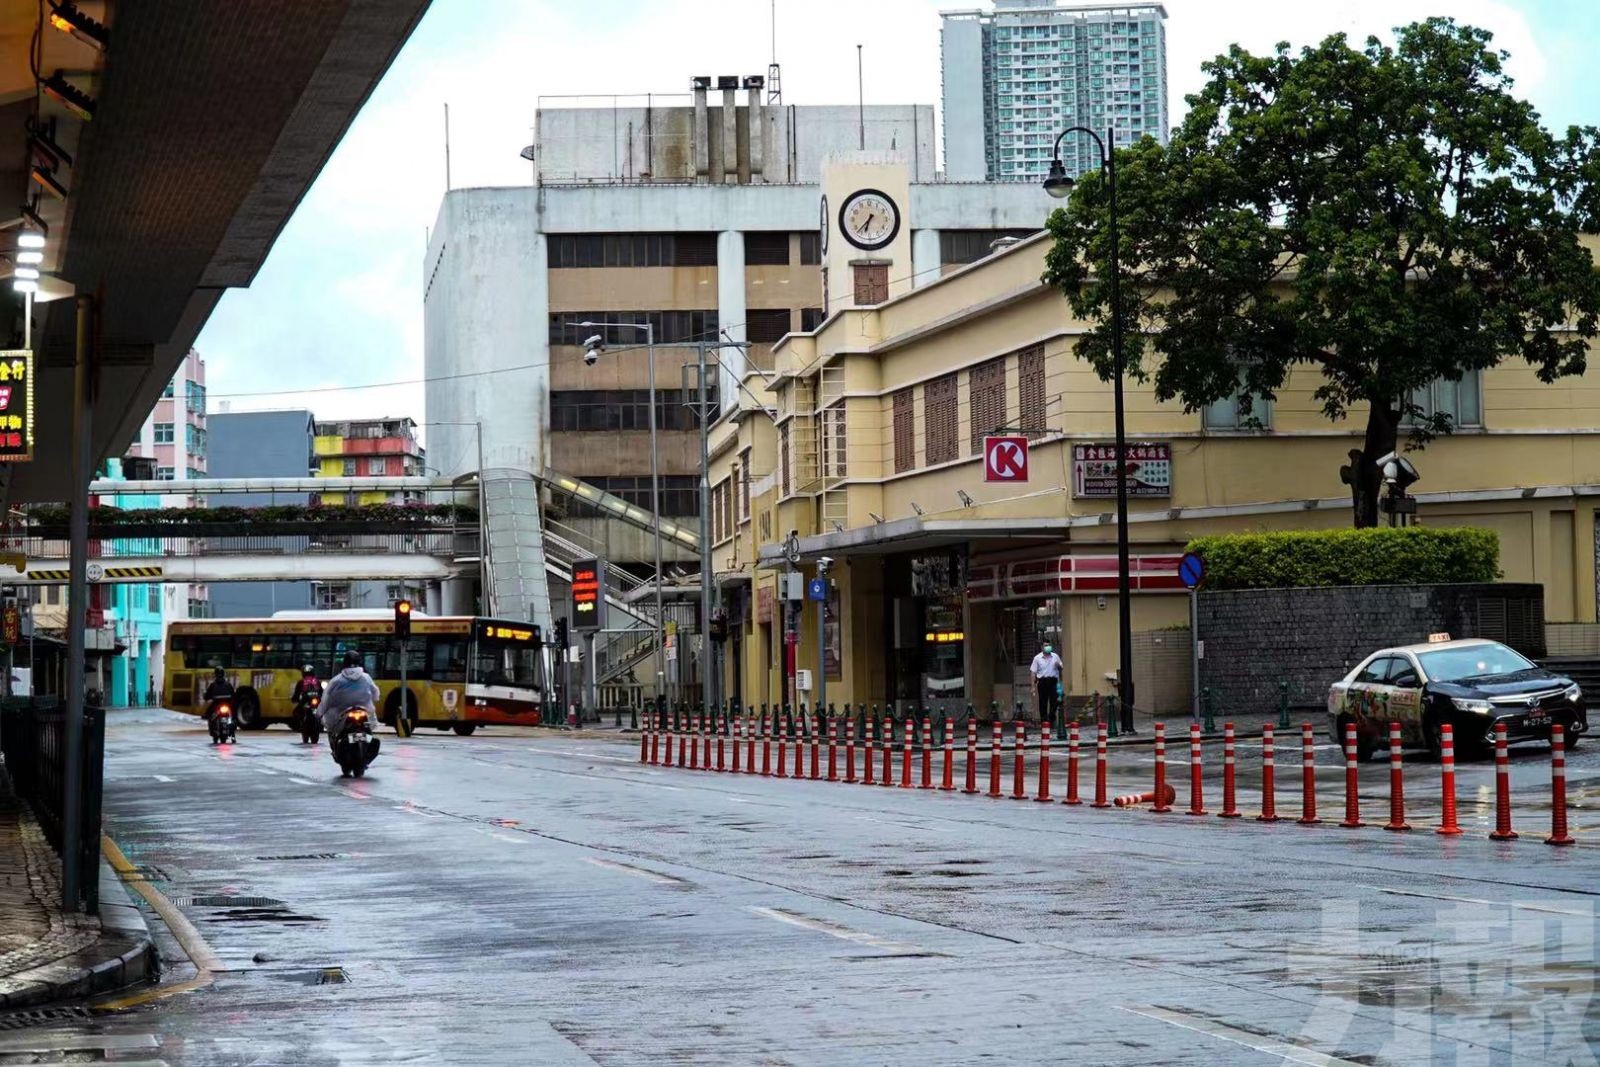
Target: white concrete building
1015,77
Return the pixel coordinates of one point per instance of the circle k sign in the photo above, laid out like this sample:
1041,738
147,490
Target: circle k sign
1005,459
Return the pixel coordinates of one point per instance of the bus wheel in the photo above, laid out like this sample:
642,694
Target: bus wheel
249,710
464,729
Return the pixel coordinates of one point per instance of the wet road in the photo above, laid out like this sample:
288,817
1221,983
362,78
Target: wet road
521,898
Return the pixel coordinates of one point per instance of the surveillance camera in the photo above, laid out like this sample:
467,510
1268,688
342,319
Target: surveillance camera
824,562
594,341
591,356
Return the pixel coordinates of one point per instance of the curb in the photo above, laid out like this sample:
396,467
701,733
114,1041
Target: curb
90,973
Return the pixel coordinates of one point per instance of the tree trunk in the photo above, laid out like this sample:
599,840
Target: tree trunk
1366,483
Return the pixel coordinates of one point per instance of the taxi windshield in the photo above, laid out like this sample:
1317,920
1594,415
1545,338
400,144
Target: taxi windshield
1471,661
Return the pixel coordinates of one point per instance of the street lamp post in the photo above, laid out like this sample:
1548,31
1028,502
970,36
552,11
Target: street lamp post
1059,184
655,484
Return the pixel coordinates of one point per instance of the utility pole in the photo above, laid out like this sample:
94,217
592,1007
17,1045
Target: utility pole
77,609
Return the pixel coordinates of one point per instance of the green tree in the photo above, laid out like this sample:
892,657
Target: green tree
1390,216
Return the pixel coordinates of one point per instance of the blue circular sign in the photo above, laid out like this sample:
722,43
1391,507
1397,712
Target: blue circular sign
1191,569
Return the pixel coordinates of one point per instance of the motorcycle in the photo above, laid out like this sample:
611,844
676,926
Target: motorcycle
354,747
224,730
310,722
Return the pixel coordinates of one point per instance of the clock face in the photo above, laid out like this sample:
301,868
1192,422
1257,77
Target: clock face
822,224
869,219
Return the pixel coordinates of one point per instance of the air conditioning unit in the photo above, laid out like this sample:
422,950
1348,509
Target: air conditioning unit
802,680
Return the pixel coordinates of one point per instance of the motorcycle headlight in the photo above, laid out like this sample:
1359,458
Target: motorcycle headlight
1573,693
1480,707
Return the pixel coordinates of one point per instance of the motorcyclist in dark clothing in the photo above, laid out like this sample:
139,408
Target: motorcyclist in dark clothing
308,685
219,689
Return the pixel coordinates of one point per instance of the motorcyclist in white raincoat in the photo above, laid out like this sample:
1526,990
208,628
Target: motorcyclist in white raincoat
352,687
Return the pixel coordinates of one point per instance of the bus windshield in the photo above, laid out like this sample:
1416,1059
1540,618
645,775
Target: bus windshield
503,664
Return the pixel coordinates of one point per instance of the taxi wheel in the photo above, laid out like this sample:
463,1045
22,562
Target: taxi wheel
1364,745
1431,737
464,729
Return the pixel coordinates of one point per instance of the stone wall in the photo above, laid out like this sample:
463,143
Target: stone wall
1254,639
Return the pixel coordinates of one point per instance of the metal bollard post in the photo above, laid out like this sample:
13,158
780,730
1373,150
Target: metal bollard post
1283,705
1205,706
1111,715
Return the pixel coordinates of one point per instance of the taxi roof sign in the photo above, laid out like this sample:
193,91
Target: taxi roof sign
1437,639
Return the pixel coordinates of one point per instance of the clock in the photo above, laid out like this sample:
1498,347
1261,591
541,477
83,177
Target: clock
822,224
869,219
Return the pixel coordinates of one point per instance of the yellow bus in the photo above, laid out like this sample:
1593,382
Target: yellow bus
460,670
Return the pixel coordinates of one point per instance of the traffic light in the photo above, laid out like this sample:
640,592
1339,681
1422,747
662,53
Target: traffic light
402,618
561,633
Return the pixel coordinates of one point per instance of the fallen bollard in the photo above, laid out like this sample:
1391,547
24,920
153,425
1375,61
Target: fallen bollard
1128,800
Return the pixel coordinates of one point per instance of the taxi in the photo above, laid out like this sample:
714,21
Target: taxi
1470,684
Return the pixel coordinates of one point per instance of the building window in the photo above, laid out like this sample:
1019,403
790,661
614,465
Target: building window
1030,382
905,431
378,465
349,468
1233,413
164,474
810,319
969,246
940,414
152,600
810,248
871,283
163,433
766,326
194,397
835,417
194,472
671,327
766,249
608,410
743,474
632,250
194,439
783,455
986,390
680,493
1461,400
167,393
332,597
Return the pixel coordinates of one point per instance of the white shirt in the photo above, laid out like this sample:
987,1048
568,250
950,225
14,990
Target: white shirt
1046,665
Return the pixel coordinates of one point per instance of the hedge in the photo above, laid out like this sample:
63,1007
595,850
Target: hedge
1412,556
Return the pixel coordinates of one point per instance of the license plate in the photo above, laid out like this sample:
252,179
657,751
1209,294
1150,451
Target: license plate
1536,718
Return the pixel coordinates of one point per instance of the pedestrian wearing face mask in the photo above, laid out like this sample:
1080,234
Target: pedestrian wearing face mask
1046,670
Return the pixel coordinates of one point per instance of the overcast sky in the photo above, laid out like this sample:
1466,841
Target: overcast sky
339,300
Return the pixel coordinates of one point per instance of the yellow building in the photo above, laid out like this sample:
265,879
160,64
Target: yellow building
871,454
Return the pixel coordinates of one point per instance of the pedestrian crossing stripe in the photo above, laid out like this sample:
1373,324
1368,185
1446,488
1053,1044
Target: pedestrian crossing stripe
107,573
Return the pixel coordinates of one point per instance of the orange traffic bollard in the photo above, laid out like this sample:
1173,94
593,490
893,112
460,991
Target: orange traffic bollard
1019,789
972,754
1044,763
927,752
1352,801
869,740
738,741
1072,765
1502,787
994,760
1269,787
1230,771
708,726
908,741
887,777
654,722
750,741
833,749
948,782
1447,781
694,742
1558,788
766,742
1308,776
1162,805
849,746
1166,793
1197,801
1100,767
781,728
1397,783
721,766
644,741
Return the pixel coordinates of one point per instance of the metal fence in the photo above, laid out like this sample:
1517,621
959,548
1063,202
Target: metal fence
34,742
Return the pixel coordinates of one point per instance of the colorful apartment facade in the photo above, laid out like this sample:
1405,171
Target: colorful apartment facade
360,448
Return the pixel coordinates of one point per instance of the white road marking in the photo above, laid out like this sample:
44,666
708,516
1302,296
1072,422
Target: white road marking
843,933
1196,1024
302,781
263,770
512,840
637,872
63,1041
164,778
1491,903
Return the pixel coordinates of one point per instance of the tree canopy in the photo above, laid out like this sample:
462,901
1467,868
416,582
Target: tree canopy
1390,216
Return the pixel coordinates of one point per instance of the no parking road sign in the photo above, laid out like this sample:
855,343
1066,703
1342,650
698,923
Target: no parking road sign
1005,459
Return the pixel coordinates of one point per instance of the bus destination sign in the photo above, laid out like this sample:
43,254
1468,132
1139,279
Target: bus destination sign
588,594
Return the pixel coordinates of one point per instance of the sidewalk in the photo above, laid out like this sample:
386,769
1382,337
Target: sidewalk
48,955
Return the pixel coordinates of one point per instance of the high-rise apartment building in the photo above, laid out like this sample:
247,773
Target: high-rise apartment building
1015,77
175,437
359,448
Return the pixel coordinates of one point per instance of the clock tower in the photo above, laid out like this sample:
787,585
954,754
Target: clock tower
866,236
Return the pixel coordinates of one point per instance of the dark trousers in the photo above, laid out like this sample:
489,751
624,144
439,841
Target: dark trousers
1049,701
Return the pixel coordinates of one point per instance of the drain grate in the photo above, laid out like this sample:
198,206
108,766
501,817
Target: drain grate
303,856
22,1020
227,902
332,976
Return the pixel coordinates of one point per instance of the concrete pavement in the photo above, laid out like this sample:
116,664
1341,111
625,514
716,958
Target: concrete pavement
517,897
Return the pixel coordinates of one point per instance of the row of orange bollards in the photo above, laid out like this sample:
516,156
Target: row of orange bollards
693,744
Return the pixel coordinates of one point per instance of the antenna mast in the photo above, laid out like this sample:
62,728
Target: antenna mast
774,77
